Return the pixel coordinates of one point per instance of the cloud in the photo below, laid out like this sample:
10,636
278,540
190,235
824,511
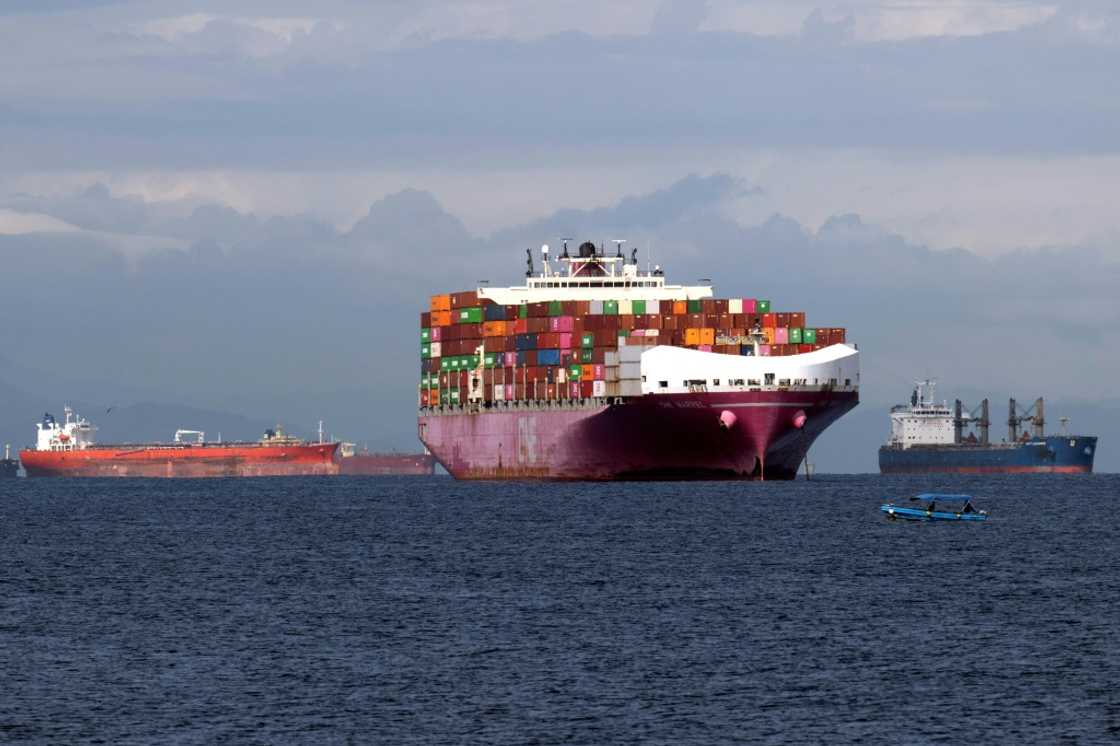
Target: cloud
679,16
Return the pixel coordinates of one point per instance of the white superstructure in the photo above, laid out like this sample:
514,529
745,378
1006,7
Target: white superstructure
74,434
676,370
592,276
924,422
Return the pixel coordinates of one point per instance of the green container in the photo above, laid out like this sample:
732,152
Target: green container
468,316
637,306
574,372
795,335
763,306
493,359
809,336
425,335
585,356
455,396
610,308
445,396
523,311
694,306
445,363
555,308
587,339
425,351
473,361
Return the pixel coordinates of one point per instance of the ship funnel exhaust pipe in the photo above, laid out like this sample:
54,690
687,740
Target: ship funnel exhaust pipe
727,419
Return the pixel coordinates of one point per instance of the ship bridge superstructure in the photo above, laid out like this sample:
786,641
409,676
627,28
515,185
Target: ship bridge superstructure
74,433
591,274
924,421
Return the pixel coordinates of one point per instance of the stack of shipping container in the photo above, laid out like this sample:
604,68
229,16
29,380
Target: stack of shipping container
558,350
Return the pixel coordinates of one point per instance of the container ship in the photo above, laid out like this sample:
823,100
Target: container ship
9,467
597,370
364,463
927,437
67,449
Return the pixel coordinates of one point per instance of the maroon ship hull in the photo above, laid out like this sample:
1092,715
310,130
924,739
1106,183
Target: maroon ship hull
385,464
664,436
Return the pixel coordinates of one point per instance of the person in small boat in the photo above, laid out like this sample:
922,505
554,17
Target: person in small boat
968,508
932,506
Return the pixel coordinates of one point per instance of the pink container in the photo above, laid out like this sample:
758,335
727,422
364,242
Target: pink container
638,333
600,372
509,391
437,333
781,335
764,350
510,359
705,348
750,305
573,389
560,324
565,341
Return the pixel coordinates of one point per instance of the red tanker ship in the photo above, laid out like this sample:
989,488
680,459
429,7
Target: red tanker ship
596,370
68,449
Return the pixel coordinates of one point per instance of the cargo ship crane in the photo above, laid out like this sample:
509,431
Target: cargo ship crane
1033,416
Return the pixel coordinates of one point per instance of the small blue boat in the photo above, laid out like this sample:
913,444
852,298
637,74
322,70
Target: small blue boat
934,506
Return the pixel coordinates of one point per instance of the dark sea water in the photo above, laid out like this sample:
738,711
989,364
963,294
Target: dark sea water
407,610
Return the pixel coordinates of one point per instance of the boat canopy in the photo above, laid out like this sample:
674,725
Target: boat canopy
941,497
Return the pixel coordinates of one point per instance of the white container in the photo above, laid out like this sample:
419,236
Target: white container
625,308
630,388
630,372
437,348
734,305
596,307
598,388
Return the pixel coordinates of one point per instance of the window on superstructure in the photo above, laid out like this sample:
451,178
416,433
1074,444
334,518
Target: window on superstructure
769,379
715,382
753,382
663,384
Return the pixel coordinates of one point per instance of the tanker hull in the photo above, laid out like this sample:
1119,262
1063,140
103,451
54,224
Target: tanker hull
657,436
387,464
186,461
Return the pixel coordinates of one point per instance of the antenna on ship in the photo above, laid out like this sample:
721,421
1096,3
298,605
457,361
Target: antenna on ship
618,247
320,432
565,255
544,260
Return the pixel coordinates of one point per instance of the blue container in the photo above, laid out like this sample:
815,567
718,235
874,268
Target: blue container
525,342
548,357
494,313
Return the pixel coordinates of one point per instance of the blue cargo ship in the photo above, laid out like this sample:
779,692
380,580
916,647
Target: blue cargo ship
927,437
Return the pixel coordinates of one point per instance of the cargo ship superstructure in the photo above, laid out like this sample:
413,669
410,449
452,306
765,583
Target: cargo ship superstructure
597,370
68,449
928,437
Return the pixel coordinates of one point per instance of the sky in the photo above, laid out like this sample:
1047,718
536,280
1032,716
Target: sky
238,206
